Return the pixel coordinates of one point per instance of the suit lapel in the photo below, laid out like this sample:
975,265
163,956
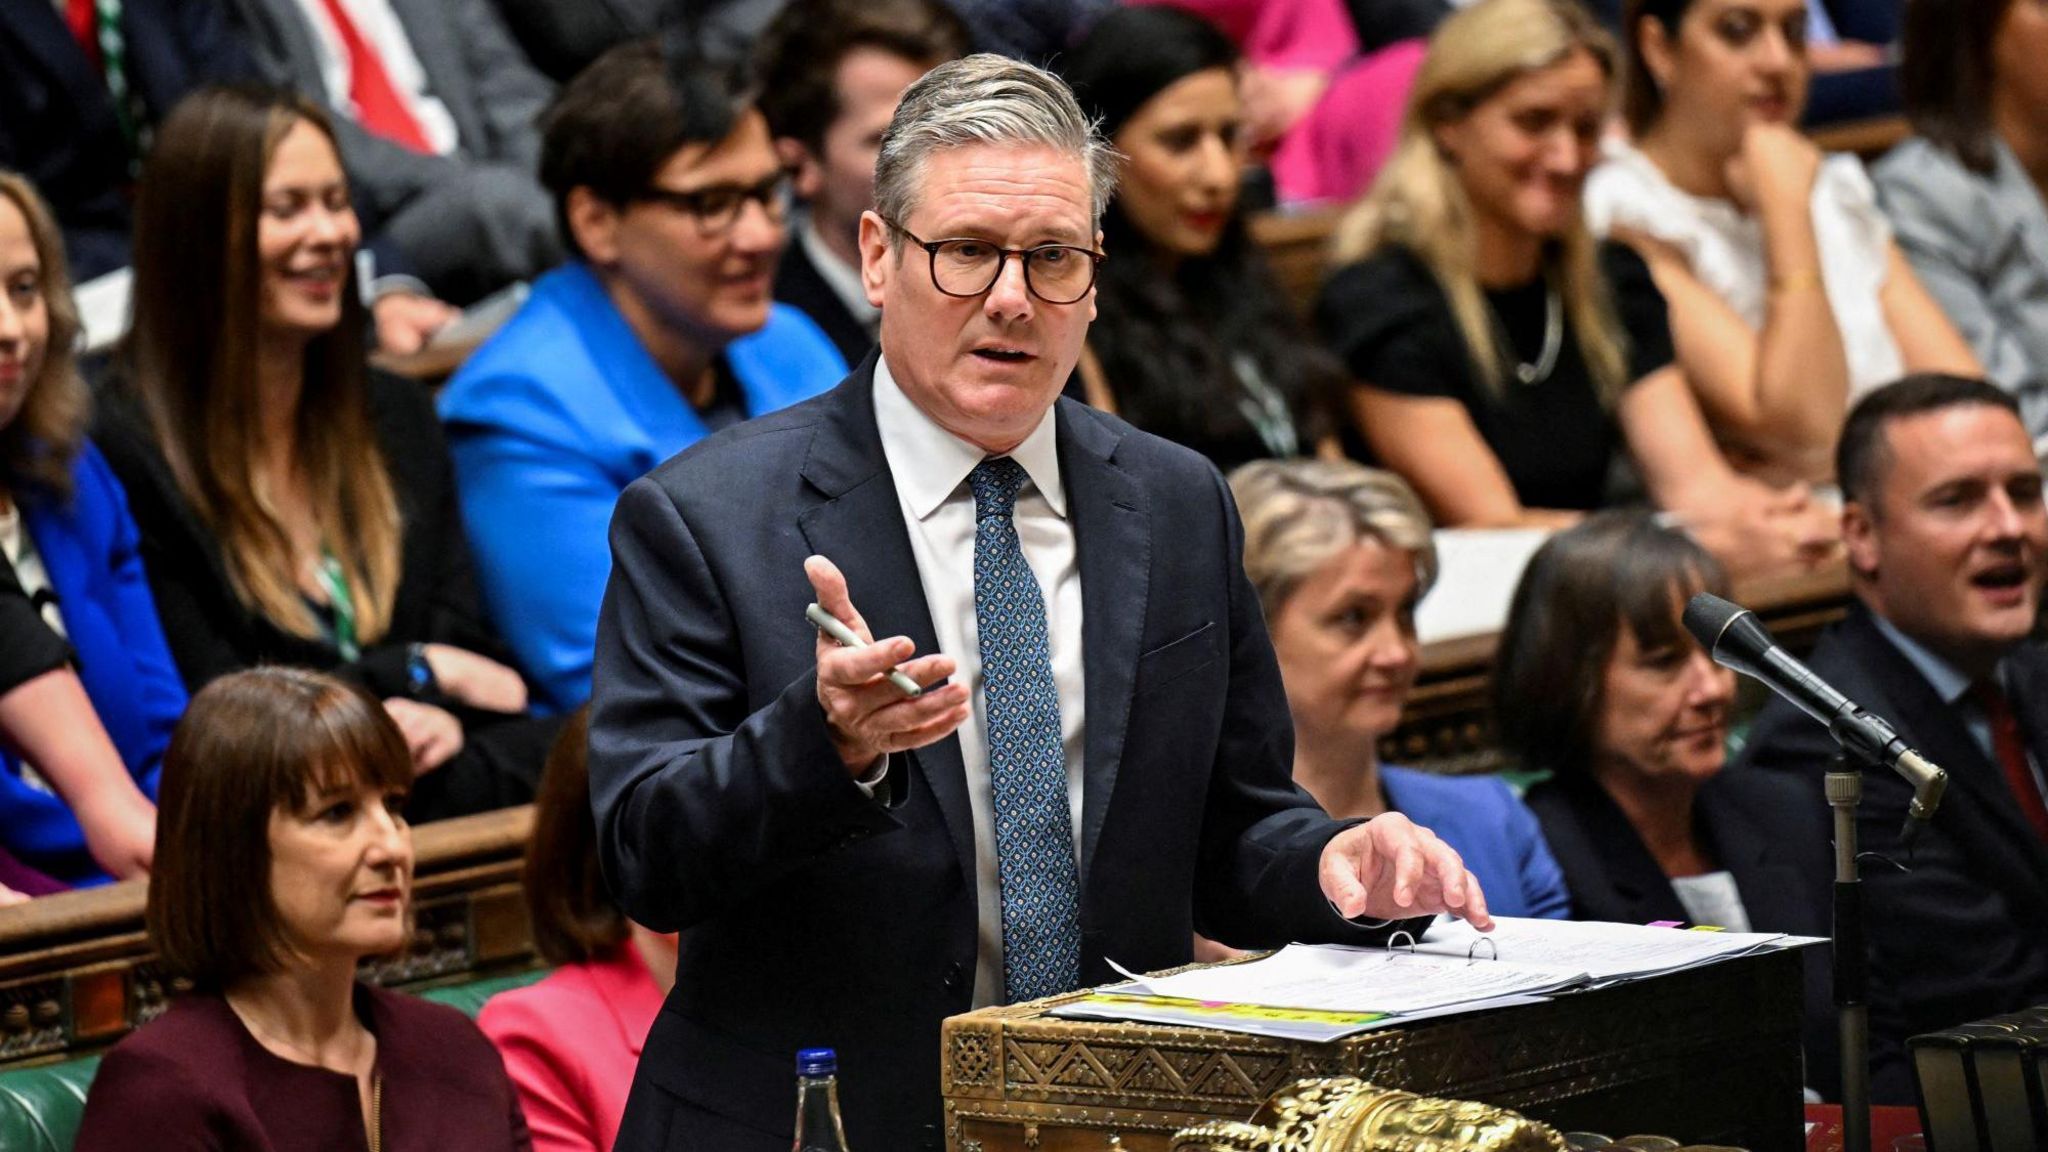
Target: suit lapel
1769,889
859,527
1978,812
41,31
1112,543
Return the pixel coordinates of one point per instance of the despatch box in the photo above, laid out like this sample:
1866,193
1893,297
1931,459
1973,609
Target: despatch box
1710,1056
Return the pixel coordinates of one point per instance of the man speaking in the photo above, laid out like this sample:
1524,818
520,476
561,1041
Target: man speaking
1099,765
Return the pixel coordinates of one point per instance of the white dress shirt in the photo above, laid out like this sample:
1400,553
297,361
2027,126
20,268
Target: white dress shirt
380,28
930,466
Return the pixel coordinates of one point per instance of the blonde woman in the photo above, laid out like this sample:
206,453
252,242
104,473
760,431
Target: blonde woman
1500,356
1341,555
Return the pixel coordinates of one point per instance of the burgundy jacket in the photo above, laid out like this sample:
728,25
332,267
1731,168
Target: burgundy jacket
196,1079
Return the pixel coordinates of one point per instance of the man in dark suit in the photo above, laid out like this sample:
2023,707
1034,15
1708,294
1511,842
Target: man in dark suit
1098,765
64,127
1946,537
436,110
831,73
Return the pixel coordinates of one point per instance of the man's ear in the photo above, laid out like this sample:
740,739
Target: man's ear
593,225
806,171
1859,539
877,265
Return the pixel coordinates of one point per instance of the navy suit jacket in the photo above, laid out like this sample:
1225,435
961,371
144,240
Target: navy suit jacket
1964,934
1763,832
814,915
60,129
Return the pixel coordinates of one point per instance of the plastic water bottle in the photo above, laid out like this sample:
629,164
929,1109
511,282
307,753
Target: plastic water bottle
817,1102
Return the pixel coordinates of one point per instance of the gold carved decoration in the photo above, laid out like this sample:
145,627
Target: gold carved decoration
1346,1114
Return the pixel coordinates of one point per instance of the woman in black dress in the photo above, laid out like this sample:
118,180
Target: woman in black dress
1500,357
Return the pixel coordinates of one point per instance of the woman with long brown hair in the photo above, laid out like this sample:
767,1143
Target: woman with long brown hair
297,507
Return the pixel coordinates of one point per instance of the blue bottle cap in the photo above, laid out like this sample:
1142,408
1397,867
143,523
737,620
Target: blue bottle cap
817,1062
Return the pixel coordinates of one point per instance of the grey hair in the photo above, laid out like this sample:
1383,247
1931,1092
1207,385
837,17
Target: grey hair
1300,513
987,99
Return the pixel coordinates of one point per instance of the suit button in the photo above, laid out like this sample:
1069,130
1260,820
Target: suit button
956,975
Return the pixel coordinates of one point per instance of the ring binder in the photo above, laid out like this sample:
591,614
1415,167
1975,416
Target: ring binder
1391,946
1471,953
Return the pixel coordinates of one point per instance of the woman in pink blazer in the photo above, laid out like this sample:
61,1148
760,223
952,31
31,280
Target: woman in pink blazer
571,1041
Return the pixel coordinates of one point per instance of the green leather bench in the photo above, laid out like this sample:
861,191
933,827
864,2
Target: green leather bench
40,1106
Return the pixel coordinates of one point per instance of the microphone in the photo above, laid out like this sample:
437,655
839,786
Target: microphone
1738,640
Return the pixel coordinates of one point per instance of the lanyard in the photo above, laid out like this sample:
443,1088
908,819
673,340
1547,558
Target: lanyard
340,604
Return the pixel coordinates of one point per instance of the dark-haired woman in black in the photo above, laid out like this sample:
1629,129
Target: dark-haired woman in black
1193,339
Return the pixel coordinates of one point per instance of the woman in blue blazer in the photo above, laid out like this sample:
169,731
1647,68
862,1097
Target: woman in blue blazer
66,534
658,333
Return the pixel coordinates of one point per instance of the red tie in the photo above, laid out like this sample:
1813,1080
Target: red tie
80,16
379,108
2011,749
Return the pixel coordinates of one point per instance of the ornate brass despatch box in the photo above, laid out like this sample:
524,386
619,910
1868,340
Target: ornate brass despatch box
1709,1055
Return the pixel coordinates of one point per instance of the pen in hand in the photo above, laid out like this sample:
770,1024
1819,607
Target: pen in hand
844,637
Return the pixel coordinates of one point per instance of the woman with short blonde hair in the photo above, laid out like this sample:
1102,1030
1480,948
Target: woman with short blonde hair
1340,555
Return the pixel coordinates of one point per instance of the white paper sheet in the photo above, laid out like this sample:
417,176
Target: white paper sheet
1602,950
1477,570
1330,978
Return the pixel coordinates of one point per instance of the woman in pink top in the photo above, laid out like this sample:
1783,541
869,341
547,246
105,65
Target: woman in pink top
571,1041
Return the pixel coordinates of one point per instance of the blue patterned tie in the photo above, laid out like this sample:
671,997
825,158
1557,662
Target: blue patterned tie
1026,760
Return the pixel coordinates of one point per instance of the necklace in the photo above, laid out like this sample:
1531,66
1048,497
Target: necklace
1529,374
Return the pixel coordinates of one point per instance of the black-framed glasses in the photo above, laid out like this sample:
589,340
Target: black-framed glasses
964,266
717,208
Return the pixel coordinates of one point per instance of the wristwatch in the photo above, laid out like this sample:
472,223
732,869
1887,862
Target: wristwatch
419,673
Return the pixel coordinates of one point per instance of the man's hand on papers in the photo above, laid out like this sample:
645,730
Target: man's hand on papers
868,716
1390,868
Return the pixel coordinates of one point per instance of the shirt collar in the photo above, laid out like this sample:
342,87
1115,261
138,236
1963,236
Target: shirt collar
1948,683
842,278
930,463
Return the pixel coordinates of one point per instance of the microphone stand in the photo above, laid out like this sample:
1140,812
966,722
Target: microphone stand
1851,956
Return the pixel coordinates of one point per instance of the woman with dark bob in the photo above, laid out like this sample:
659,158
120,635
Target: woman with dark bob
1598,684
1193,339
297,507
1967,194
571,1042
283,859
